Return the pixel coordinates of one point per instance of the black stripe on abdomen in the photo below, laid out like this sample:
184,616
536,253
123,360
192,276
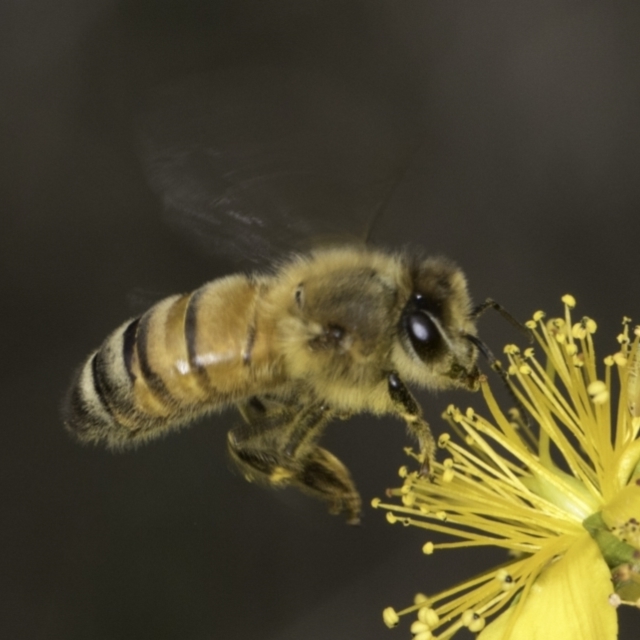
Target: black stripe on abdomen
128,346
151,377
84,410
102,390
191,338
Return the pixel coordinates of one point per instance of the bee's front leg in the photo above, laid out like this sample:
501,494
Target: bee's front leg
407,408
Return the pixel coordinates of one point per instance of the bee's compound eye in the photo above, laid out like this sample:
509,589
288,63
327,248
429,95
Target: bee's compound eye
423,333
421,328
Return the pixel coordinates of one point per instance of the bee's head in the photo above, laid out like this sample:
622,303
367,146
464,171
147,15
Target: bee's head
434,349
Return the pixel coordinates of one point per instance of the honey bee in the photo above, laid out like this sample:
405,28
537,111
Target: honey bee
327,334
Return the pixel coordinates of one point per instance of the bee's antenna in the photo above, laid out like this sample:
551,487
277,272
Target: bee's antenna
489,303
497,367
482,347
384,203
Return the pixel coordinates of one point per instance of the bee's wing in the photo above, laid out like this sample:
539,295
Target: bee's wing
252,162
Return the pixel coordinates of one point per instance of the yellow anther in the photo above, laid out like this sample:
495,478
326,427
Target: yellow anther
408,499
578,360
468,617
620,359
615,600
418,627
472,621
578,331
598,392
390,617
429,617
443,440
506,580
477,624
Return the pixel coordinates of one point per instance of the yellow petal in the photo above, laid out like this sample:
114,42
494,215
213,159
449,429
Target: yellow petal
569,601
624,507
629,462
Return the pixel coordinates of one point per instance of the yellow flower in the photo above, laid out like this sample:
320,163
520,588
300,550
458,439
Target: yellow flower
563,500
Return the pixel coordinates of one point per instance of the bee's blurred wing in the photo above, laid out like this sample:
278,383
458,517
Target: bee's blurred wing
254,162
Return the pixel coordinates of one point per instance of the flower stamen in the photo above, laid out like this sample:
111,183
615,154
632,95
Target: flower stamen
564,502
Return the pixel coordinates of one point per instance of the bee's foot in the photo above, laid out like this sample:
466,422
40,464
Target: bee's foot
349,505
426,470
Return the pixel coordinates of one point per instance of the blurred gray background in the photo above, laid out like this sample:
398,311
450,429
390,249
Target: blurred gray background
512,130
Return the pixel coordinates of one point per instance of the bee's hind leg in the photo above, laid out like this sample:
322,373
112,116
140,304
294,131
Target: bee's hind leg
257,446
277,446
322,475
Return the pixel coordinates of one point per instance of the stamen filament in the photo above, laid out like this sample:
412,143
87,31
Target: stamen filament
547,498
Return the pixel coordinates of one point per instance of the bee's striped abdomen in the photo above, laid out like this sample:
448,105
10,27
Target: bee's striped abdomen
185,356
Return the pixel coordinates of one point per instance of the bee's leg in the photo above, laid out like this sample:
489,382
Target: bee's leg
306,428
408,409
277,447
323,476
257,463
267,447
257,446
